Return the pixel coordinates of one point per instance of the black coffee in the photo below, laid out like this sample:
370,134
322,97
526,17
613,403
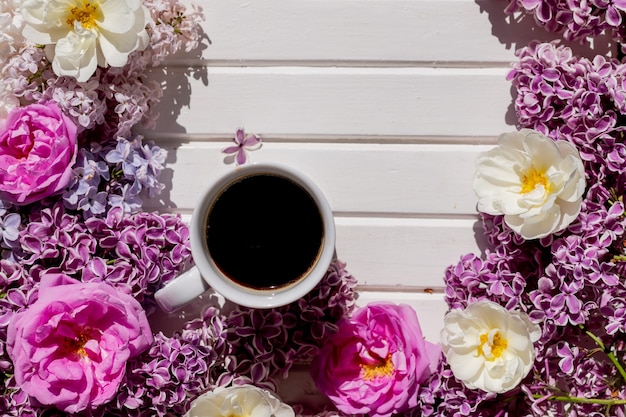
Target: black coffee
264,231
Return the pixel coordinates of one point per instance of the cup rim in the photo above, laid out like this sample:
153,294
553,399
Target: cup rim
249,297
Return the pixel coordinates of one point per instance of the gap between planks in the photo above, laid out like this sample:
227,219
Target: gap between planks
387,218
275,63
175,139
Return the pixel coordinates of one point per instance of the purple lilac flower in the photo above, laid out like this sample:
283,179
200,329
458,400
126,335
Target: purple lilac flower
173,28
149,163
577,99
127,198
139,252
106,177
155,247
122,155
577,20
10,223
327,411
55,238
167,377
266,343
25,72
88,173
141,164
243,144
93,203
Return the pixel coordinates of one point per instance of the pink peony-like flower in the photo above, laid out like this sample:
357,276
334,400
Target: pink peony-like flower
376,361
70,347
37,150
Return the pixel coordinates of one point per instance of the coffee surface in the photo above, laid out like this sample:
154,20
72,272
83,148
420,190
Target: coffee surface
264,231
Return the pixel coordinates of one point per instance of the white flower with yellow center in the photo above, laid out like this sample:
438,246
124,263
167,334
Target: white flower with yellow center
535,182
489,347
81,34
239,401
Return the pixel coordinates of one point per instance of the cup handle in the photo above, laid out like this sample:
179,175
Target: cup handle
181,290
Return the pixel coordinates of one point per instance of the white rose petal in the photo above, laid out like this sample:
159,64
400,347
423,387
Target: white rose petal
81,34
535,182
489,347
240,401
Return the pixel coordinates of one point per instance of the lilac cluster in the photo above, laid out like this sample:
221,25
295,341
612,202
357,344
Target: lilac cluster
577,20
572,283
173,28
137,253
577,99
266,343
108,176
106,106
175,370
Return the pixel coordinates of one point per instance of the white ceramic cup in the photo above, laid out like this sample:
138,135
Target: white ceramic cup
206,274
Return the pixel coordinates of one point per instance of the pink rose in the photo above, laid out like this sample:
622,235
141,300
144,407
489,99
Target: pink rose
70,347
376,361
37,151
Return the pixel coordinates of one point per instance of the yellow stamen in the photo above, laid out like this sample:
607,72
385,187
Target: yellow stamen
380,369
86,15
532,178
77,345
492,345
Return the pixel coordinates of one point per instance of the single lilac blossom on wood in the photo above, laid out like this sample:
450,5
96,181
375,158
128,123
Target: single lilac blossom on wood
243,143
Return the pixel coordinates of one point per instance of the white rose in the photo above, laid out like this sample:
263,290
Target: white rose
240,401
489,347
535,182
81,34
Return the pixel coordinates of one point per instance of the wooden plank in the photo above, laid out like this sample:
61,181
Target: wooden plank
397,254
400,253
356,178
353,31
309,102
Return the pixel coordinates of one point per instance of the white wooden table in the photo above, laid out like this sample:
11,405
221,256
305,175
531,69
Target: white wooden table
383,103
